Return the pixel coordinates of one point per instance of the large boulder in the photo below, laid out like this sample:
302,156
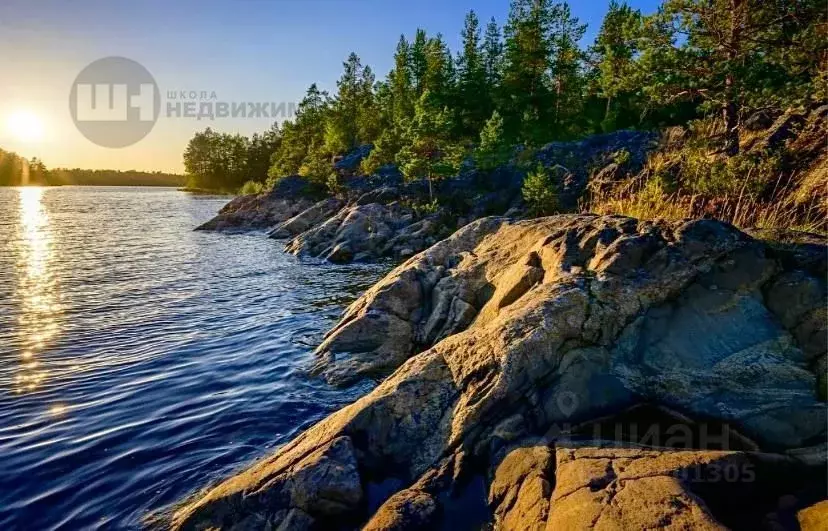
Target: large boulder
577,160
555,335
289,197
366,231
348,164
306,219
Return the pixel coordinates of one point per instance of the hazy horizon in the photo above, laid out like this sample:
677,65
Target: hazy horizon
245,51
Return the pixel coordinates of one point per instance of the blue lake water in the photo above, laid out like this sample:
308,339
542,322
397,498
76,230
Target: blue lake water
139,360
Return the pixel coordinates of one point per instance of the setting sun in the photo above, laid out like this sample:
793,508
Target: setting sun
24,125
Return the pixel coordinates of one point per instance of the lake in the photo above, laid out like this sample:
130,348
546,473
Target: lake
140,360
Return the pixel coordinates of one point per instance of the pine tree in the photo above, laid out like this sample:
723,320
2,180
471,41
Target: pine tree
493,149
400,84
261,148
567,71
616,71
492,55
306,131
735,54
350,121
438,79
430,153
396,109
527,98
474,99
418,61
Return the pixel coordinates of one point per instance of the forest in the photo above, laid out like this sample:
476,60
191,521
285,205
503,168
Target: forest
19,171
706,65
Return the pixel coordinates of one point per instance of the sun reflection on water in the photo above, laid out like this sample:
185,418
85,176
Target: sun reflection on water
36,288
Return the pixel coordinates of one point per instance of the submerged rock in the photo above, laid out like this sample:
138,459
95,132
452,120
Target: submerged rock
584,371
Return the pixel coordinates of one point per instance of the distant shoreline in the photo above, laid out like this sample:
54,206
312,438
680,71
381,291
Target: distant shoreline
203,191
91,185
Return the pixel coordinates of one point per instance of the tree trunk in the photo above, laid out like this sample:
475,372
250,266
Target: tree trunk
730,113
730,110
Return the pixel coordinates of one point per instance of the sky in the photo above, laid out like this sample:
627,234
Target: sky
237,50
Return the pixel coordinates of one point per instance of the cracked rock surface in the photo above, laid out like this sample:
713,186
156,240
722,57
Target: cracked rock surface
499,344
255,212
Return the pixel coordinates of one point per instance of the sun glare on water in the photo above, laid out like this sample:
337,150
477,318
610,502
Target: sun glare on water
25,126
37,289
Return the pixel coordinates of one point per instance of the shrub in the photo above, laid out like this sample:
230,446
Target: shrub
540,191
251,187
333,184
493,150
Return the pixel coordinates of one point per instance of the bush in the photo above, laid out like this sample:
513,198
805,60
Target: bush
540,191
333,184
251,187
746,173
493,150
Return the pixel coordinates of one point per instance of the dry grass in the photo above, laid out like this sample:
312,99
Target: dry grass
648,201
688,178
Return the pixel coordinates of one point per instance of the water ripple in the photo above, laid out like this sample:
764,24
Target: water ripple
140,360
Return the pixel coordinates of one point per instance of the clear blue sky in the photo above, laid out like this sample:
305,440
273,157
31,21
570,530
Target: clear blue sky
244,50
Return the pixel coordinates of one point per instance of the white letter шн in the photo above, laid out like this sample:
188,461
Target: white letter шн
99,106
144,101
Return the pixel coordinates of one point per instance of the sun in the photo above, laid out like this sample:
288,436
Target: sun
24,125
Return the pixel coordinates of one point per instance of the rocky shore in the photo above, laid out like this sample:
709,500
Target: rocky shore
381,216
567,372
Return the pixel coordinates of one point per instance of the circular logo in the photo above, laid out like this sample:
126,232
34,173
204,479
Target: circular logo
114,102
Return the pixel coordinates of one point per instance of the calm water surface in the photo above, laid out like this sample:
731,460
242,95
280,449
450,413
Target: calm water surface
140,360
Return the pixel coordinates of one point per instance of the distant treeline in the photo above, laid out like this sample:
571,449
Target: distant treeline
19,171
81,177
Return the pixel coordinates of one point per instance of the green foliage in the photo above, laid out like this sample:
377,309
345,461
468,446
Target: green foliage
474,94
514,89
617,74
303,139
316,166
621,157
82,177
716,175
217,161
527,98
251,187
334,186
351,119
384,152
17,171
566,69
425,209
430,152
493,56
493,150
540,191
736,55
